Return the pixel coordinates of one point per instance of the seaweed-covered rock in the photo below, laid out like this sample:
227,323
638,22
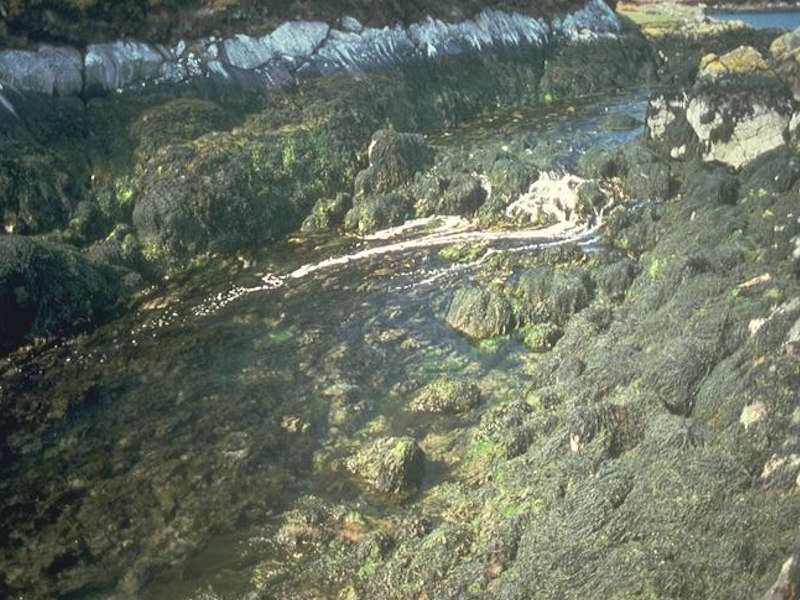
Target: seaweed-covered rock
615,279
176,122
710,185
505,431
622,424
742,60
378,211
540,337
464,195
446,395
49,289
37,191
675,376
599,163
391,469
228,191
647,177
668,127
552,296
776,171
480,313
327,213
394,158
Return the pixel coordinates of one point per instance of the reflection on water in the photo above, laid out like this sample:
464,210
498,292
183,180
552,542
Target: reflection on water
779,19
166,444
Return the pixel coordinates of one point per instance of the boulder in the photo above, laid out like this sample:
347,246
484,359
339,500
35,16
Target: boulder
615,279
464,196
327,213
391,469
619,122
480,313
446,395
49,289
547,296
394,158
378,211
666,125
738,108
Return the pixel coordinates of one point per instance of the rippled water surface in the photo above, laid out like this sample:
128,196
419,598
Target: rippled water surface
779,19
176,435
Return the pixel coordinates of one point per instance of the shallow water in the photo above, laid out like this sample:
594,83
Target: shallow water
174,437
779,19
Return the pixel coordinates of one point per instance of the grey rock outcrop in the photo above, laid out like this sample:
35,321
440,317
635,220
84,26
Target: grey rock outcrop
114,66
54,71
295,50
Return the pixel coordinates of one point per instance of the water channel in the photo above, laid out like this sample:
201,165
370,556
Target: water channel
174,437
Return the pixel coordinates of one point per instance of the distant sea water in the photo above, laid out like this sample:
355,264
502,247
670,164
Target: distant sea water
784,19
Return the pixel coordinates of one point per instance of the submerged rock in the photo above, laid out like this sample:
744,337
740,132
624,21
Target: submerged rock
446,395
480,313
620,122
391,469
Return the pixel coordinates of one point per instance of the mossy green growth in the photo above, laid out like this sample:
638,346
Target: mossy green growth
540,337
464,253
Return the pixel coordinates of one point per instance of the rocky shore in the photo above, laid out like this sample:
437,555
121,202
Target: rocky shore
610,420
148,157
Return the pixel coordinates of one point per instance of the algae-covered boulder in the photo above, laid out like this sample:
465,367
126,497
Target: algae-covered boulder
540,337
446,395
614,280
327,213
675,375
647,177
48,289
545,295
390,469
464,195
776,171
668,127
378,211
480,313
710,186
394,158
227,191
